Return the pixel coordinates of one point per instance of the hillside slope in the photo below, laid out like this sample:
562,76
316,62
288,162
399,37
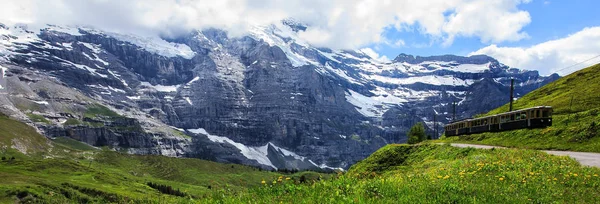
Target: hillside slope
442,174
576,103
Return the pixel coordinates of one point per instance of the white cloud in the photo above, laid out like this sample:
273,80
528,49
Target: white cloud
333,23
552,56
374,55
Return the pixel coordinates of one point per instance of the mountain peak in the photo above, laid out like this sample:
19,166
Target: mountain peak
294,24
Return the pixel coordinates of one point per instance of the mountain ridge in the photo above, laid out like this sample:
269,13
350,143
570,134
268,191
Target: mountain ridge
332,107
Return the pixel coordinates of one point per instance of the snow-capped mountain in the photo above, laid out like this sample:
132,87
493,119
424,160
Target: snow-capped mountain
267,99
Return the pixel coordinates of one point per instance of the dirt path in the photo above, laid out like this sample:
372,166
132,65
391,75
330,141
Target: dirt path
585,158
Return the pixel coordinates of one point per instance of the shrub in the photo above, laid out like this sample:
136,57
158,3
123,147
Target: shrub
416,134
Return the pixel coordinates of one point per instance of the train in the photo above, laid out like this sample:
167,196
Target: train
535,117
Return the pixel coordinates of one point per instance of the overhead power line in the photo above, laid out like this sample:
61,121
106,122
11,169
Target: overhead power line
578,63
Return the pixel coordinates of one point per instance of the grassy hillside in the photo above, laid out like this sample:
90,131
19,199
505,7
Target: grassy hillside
441,174
395,174
575,125
17,138
65,171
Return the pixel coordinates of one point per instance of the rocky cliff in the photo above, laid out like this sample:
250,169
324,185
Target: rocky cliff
266,99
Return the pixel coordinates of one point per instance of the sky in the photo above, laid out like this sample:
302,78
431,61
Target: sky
543,35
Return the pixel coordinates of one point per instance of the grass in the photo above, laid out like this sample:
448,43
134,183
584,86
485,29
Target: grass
66,171
575,125
426,173
440,174
73,144
107,176
37,118
98,110
16,134
72,121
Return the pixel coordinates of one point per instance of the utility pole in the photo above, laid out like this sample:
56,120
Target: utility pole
434,125
512,89
453,111
570,110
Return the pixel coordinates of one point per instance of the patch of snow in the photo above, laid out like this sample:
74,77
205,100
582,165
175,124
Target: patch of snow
134,97
329,56
192,81
287,152
84,67
101,60
3,70
472,68
109,88
68,46
341,73
364,104
92,47
188,100
65,29
274,34
162,88
178,129
324,166
153,44
433,80
258,154
373,106
42,102
343,136
118,77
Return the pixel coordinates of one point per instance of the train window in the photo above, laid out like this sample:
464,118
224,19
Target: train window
518,117
545,113
512,117
523,115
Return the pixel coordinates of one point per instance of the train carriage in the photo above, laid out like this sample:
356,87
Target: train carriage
536,117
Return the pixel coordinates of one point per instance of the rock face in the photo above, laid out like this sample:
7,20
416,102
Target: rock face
267,99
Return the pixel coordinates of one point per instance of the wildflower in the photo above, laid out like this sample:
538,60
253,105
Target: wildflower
596,175
575,175
439,177
501,179
288,178
554,179
263,182
446,177
274,182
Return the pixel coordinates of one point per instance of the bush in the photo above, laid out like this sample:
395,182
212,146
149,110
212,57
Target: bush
166,189
416,134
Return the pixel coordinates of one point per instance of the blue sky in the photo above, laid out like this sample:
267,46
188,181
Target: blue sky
550,20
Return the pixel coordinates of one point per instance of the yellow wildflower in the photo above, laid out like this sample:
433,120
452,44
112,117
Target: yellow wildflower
439,177
446,177
288,178
596,175
501,179
263,182
575,175
554,179
274,182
